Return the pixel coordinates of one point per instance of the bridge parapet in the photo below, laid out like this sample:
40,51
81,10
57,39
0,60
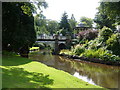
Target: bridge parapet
51,37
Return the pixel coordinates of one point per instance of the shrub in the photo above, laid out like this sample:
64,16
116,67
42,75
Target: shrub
78,49
101,53
105,47
105,32
95,44
113,43
88,53
87,35
4,52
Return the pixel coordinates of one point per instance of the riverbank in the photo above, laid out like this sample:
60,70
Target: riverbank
95,60
21,72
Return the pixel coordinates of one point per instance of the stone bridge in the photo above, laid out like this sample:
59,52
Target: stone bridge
58,46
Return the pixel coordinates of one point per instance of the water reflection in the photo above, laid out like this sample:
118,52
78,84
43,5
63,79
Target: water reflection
85,78
97,74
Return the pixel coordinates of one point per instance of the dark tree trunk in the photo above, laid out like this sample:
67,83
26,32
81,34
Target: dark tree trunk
24,51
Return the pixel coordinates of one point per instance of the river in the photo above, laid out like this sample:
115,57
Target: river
94,73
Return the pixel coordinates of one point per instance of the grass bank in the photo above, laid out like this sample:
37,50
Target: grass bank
21,72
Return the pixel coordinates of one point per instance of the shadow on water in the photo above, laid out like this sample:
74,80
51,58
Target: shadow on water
18,78
94,73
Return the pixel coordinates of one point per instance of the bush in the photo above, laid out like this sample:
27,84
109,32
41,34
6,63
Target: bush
101,53
105,32
88,53
105,47
8,53
78,49
113,43
94,44
88,35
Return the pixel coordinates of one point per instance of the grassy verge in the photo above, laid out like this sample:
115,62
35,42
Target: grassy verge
20,72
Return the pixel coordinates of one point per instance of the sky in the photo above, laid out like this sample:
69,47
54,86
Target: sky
79,8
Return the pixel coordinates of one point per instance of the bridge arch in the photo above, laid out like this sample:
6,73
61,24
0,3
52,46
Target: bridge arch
62,46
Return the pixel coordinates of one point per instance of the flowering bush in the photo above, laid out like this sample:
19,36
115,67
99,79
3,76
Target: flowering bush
87,35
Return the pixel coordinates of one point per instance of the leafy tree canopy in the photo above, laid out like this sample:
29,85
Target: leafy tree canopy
18,32
87,21
102,19
52,26
112,10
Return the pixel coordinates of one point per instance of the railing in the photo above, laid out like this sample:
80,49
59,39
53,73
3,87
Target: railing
51,37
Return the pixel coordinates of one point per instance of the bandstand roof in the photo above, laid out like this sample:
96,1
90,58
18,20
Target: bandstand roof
82,25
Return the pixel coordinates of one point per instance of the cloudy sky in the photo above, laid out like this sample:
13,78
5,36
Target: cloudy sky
77,7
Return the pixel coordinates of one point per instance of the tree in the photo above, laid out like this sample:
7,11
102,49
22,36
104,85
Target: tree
87,21
101,18
112,10
18,32
52,26
72,23
40,24
64,24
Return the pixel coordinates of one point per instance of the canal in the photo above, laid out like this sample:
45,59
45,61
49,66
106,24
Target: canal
97,74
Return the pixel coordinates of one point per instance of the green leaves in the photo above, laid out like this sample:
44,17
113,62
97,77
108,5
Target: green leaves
113,43
26,10
102,18
111,9
105,47
87,21
78,50
18,26
105,32
64,24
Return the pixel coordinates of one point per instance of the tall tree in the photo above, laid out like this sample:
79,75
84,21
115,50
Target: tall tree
40,24
87,21
72,23
52,26
18,32
64,24
101,18
112,10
